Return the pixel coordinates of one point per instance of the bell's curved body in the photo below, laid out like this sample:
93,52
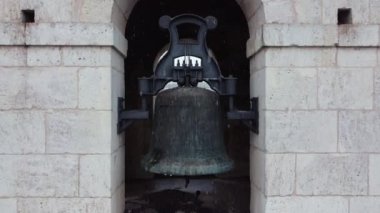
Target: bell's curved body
187,134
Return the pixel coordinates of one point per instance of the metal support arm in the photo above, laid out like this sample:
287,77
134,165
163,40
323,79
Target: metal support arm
249,118
127,117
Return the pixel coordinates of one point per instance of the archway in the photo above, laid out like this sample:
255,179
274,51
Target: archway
228,42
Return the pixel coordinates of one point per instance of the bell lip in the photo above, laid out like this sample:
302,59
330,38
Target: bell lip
174,168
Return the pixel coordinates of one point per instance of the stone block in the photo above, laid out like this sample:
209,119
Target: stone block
308,11
332,174
291,88
258,200
43,56
280,174
374,175
360,11
300,57
95,88
86,56
374,11
364,204
117,169
58,205
257,168
8,205
306,204
350,88
12,56
81,132
117,61
118,200
359,131
11,33
301,131
358,35
38,175
52,88
94,11
48,10
357,57
377,88
300,35
22,132
279,11
69,34
12,88
95,176
76,34
10,11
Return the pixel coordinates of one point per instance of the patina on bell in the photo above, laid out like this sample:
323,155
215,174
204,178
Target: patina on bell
187,134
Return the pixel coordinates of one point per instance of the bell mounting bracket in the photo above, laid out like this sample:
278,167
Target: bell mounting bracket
187,63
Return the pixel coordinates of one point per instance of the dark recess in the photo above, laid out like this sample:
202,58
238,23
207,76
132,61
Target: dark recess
27,16
344,16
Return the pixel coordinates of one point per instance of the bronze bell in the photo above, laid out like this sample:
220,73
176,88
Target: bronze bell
187,136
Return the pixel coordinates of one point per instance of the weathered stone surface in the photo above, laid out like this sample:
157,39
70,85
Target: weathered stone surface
8,205
300,57
258,200
12,88
118,200
300,35
358,35
301,131
360,10
117,91
94,11
341,88
95,176
58,205
279,11
95,88
84,132
86,56
11,33
10,11
38,175
364,204
280,174
52,88
357,57
359,131
12,56
374,175
332,174
49,11
44,56
374,11
307,204
76,34
22,132
257,168
308,11
291,88
117,169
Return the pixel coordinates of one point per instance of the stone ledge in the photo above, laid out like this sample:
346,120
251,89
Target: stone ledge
313,35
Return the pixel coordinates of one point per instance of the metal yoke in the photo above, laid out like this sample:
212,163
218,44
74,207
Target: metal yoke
187,63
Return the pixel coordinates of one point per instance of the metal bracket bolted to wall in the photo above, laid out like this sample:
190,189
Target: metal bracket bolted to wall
127,117
249,118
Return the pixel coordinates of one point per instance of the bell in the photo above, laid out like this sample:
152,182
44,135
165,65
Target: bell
187,137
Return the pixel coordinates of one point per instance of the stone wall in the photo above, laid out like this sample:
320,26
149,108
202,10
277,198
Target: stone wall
318,84
318,148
